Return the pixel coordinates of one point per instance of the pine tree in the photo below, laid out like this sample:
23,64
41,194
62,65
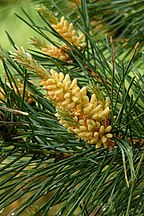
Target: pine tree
72,113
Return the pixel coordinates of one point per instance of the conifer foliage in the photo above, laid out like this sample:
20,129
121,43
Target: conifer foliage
71,117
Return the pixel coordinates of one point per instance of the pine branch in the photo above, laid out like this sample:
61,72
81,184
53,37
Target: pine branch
46,165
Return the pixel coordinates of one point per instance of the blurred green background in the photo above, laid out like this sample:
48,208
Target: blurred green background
18,30
9,22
